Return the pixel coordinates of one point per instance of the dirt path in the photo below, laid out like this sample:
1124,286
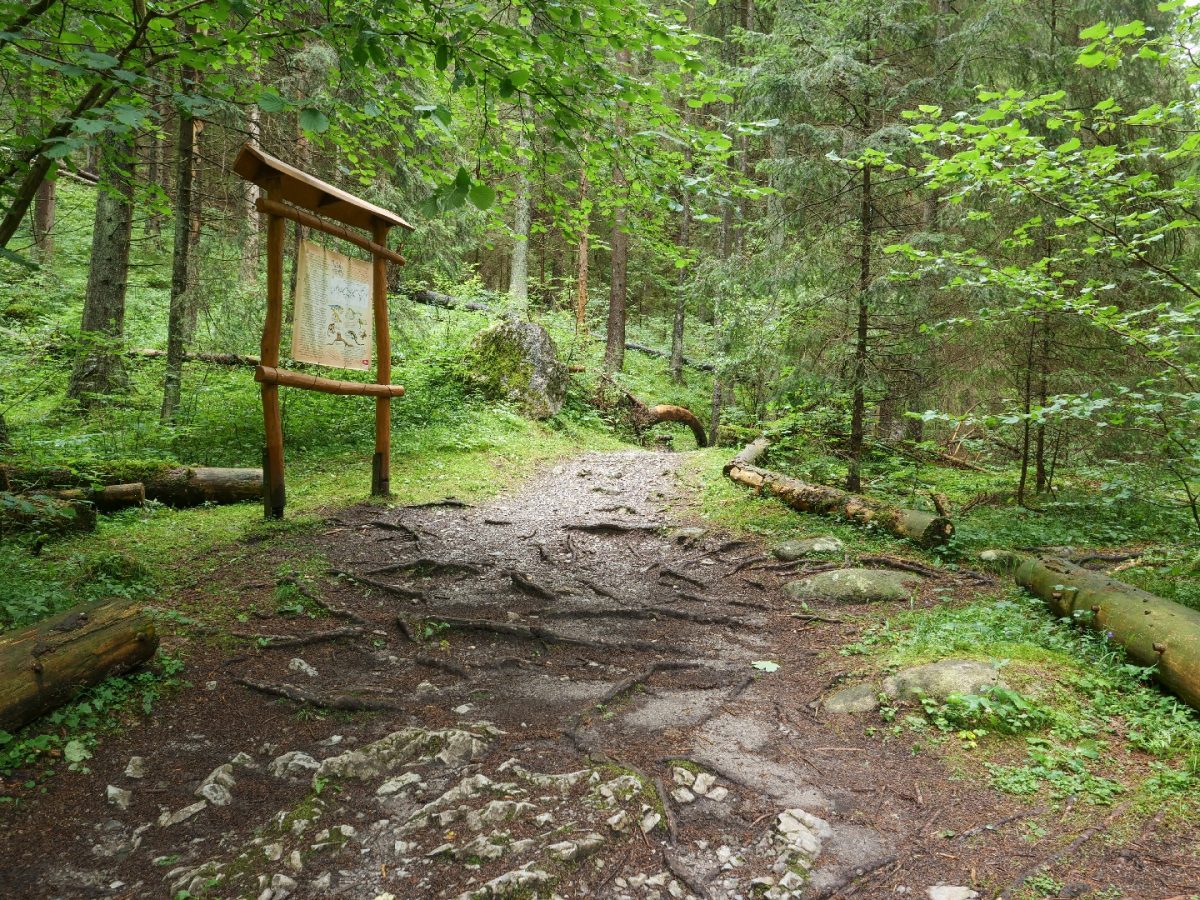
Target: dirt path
550,694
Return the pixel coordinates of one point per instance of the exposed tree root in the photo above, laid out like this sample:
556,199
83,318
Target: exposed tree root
429,568
527,585
1069,850
337,701
738,690
447,501
602,590
395,526
859,873
993,826
685,874
336,611
278,641
610,527
903,565
668,811
808,617
682,576
642,613
393,589
546,636
443,665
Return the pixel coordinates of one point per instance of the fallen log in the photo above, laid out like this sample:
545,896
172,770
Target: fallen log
45,665
922,528
1154,631
642,416
112,498
203,484
40,512
220,359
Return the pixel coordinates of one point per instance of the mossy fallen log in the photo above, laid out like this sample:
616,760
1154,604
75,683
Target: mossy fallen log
203,484
44,666
107,499
922,528
1154,631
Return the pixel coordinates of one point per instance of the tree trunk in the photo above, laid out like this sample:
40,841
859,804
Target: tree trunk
152,227
677,324
1027,406
518,270
44,666
99,369
922,528
581,260
1154,632
112,498
45,514
44,205
858,407
193,486
614,349
250,195
181,257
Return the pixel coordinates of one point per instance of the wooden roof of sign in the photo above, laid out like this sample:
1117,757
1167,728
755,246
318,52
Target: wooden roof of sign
303,190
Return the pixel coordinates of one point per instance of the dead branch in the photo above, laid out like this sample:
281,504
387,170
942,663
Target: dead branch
445,501
345,702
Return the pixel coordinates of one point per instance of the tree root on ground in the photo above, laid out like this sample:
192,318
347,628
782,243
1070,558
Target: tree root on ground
682,576
859,873
442,665
429,568
902,565
1050,859
642,613
527,585
279,641
395,526
393,589
610,527
545,635
307,698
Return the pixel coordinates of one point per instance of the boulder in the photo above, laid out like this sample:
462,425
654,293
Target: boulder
789,551
857,698
517,362
941,679
854,586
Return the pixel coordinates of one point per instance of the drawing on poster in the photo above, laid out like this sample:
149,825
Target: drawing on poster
331,325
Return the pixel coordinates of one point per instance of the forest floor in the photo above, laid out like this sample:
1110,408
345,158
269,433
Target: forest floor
553,692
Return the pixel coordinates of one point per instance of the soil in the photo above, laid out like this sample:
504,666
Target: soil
570,626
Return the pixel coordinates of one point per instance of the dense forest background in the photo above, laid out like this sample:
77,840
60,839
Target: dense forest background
937,247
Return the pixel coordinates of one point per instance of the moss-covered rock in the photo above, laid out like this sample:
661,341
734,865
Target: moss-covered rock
518,362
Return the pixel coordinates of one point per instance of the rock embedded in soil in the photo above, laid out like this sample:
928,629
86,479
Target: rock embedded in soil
518,362
136,767
790,551
941,679
292,763
118,797
857,698
168,818
854,586
951,892
300,667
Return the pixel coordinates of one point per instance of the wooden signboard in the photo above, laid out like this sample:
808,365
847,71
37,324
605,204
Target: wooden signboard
330,280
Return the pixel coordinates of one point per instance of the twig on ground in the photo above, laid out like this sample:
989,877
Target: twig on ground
999,823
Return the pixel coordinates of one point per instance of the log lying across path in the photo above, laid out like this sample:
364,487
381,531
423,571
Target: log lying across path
1154,631
44,666
923,528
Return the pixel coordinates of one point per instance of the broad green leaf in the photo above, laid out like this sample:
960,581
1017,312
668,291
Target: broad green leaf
312,119
482,196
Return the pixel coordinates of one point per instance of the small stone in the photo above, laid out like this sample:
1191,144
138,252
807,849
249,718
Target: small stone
650,821
136,767
791,881
941,679
717,794
543,819
951,892
397,784
704,781
300,667
292,763
322,881
273,852
118,797
210,685
295,861
169,818
619,821
684,777
687,535
463,710
683,795
216,794
282,886
427,687
243,759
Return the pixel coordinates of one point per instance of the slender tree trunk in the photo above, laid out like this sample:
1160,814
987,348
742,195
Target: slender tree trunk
581,259
250,247
858,403
618,288
685,239
44,207
1040,476
1026,430
181,259
518,276
99,368
152,227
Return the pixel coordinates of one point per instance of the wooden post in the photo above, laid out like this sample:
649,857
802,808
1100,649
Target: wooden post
381,464
273,484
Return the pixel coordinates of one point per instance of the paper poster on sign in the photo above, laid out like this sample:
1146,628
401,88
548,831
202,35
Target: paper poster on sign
331,325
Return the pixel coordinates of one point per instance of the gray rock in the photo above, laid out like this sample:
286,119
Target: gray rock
397,784
136,767
857,698
118,797
951,892
854,586
448,746
687,535
216,794
789,551
169,818
299,666
941,679
294,762
517,361
282,886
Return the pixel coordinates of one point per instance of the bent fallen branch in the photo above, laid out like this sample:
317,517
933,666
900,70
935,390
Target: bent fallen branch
922,528
1154,631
